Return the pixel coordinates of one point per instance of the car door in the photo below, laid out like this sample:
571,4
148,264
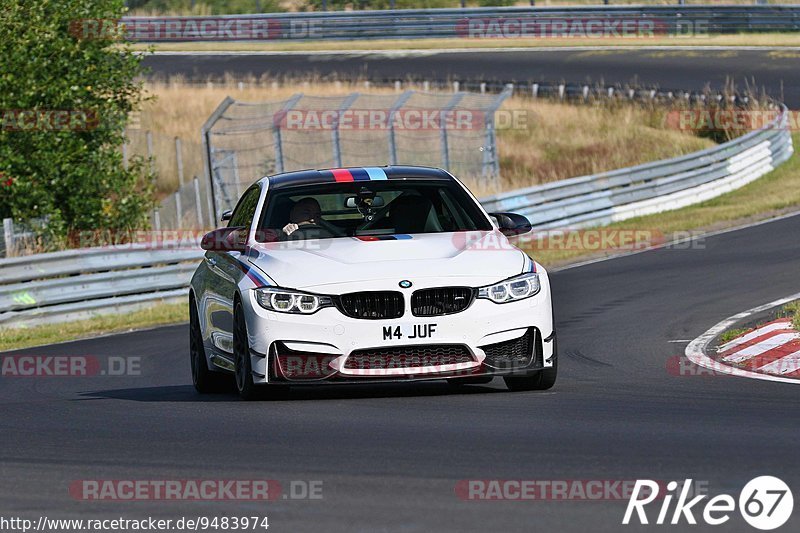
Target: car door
226,272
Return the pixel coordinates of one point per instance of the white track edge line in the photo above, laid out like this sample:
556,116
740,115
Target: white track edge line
696,350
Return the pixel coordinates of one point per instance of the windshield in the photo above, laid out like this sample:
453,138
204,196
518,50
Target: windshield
364,209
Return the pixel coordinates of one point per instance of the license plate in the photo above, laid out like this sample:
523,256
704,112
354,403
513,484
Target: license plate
399,332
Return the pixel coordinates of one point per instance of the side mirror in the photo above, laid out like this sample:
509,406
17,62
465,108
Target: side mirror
226,215
511,224
225,240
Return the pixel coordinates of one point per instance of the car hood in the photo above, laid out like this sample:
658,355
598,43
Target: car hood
472,258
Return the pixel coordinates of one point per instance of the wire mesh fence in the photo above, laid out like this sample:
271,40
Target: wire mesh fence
246,141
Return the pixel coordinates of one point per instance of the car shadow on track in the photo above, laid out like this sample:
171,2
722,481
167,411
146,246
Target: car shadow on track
186,393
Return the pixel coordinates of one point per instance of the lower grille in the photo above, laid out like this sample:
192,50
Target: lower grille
408,356
372,305
515,353
441,301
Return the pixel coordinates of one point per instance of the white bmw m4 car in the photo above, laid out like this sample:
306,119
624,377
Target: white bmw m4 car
368,275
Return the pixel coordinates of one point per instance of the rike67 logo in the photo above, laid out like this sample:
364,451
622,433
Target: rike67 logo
765,503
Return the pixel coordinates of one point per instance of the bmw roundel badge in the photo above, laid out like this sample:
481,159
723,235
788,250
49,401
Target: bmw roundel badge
405,284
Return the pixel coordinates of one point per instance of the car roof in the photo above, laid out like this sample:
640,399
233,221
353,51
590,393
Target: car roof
355,174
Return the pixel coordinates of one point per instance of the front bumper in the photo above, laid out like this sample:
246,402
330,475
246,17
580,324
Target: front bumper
487,339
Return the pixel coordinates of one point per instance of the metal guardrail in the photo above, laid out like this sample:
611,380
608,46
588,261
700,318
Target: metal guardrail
653,187
466,23
77,284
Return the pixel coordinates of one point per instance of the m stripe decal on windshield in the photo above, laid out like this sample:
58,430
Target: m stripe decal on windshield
347,175
375,173
360,174
341,175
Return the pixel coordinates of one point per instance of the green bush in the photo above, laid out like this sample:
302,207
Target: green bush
73,178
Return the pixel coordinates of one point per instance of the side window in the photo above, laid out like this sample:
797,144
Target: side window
245,209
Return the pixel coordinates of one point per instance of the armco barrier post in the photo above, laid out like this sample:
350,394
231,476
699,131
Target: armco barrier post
8,235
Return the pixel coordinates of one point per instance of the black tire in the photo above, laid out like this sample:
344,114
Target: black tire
542,380
205,381
243,371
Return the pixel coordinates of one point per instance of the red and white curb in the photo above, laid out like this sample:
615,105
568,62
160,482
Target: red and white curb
770,352
771,349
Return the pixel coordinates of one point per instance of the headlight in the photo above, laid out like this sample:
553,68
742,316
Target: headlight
284,301
513,289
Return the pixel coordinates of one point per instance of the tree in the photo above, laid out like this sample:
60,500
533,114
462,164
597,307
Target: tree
65,97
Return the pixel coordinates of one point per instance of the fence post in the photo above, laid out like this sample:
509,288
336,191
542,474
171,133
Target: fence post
150,160
337,147
491,163
277,136
157,220
443,128
179,159
198,204
8,235
236,177
400,102
205,134
178,209
125,154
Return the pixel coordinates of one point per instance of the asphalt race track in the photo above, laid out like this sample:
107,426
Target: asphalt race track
773,71
389,458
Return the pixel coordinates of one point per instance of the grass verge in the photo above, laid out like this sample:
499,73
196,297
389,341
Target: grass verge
732,334
767,40
17,338
792,310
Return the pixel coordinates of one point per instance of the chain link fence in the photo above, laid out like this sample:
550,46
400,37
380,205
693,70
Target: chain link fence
245,141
